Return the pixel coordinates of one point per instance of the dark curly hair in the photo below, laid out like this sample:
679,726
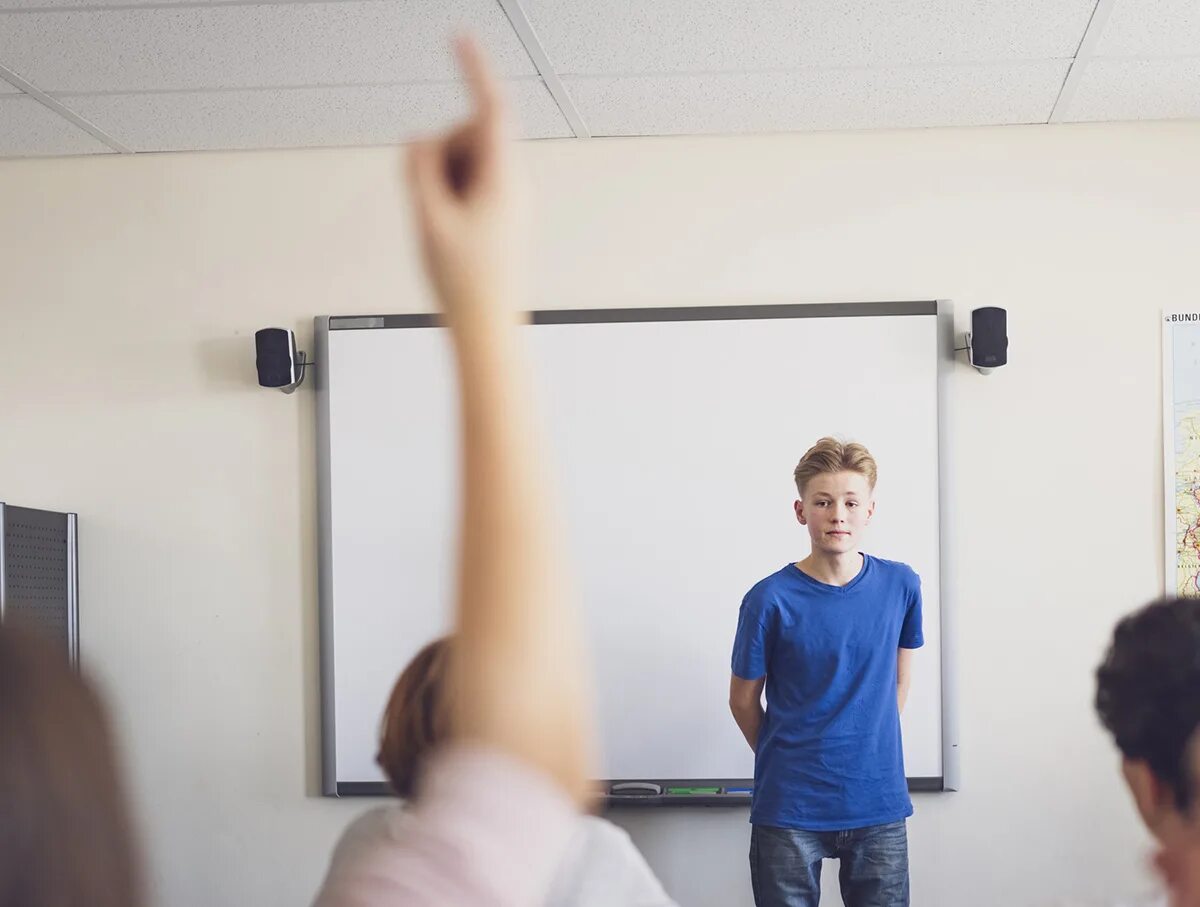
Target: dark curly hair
1148,689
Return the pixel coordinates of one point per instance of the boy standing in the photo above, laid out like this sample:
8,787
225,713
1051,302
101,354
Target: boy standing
831,639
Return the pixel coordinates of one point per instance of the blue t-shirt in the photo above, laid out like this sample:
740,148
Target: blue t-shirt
829,755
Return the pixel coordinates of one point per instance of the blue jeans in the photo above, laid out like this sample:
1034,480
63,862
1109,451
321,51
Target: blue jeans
785,865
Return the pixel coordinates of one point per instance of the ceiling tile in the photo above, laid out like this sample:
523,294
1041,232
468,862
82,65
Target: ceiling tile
819,99
38,5
1148,28
270,45
586,37
304,117
1137,90
28,129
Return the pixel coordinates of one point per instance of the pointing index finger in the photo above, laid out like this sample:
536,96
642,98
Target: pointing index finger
482,84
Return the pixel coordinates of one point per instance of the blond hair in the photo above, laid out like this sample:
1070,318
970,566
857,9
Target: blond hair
830,455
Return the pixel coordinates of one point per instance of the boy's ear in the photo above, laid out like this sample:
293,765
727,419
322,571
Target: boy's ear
799,508
1152,798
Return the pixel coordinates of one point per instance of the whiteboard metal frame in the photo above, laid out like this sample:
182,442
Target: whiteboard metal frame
951,766
950,779
329,783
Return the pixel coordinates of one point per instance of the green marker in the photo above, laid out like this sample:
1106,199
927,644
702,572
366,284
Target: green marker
693,790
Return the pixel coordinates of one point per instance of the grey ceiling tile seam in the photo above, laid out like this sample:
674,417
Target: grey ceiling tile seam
12,78
1087,47
819,68
62,110
1143,58
336,146
186,4
290,86
824,130
526,34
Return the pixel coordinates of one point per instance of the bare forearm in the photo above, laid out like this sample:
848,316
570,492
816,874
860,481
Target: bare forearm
903,677
519,672
749,721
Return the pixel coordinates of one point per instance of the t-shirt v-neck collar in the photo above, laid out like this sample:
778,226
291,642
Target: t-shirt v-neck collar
834,590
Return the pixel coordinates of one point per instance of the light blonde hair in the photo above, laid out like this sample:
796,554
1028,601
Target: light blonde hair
830,455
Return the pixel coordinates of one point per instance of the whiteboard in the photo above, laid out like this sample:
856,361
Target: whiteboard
673,435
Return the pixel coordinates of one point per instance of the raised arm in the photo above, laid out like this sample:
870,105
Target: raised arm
518,678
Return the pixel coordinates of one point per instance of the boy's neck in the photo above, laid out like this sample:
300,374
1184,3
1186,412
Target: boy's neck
832,569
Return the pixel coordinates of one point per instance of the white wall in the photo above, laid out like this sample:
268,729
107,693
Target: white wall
129,291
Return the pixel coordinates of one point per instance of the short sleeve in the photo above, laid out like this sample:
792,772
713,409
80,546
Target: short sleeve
752,642
911,634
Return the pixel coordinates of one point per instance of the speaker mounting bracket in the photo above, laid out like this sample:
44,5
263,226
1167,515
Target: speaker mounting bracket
302,363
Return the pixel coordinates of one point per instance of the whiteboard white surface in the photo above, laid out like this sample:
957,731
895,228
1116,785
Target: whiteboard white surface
673,444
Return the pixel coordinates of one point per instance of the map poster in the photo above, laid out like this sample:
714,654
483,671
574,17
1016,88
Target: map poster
1181,450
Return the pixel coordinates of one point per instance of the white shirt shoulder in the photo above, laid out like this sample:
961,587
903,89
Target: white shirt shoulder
604,867
379,824
601,867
